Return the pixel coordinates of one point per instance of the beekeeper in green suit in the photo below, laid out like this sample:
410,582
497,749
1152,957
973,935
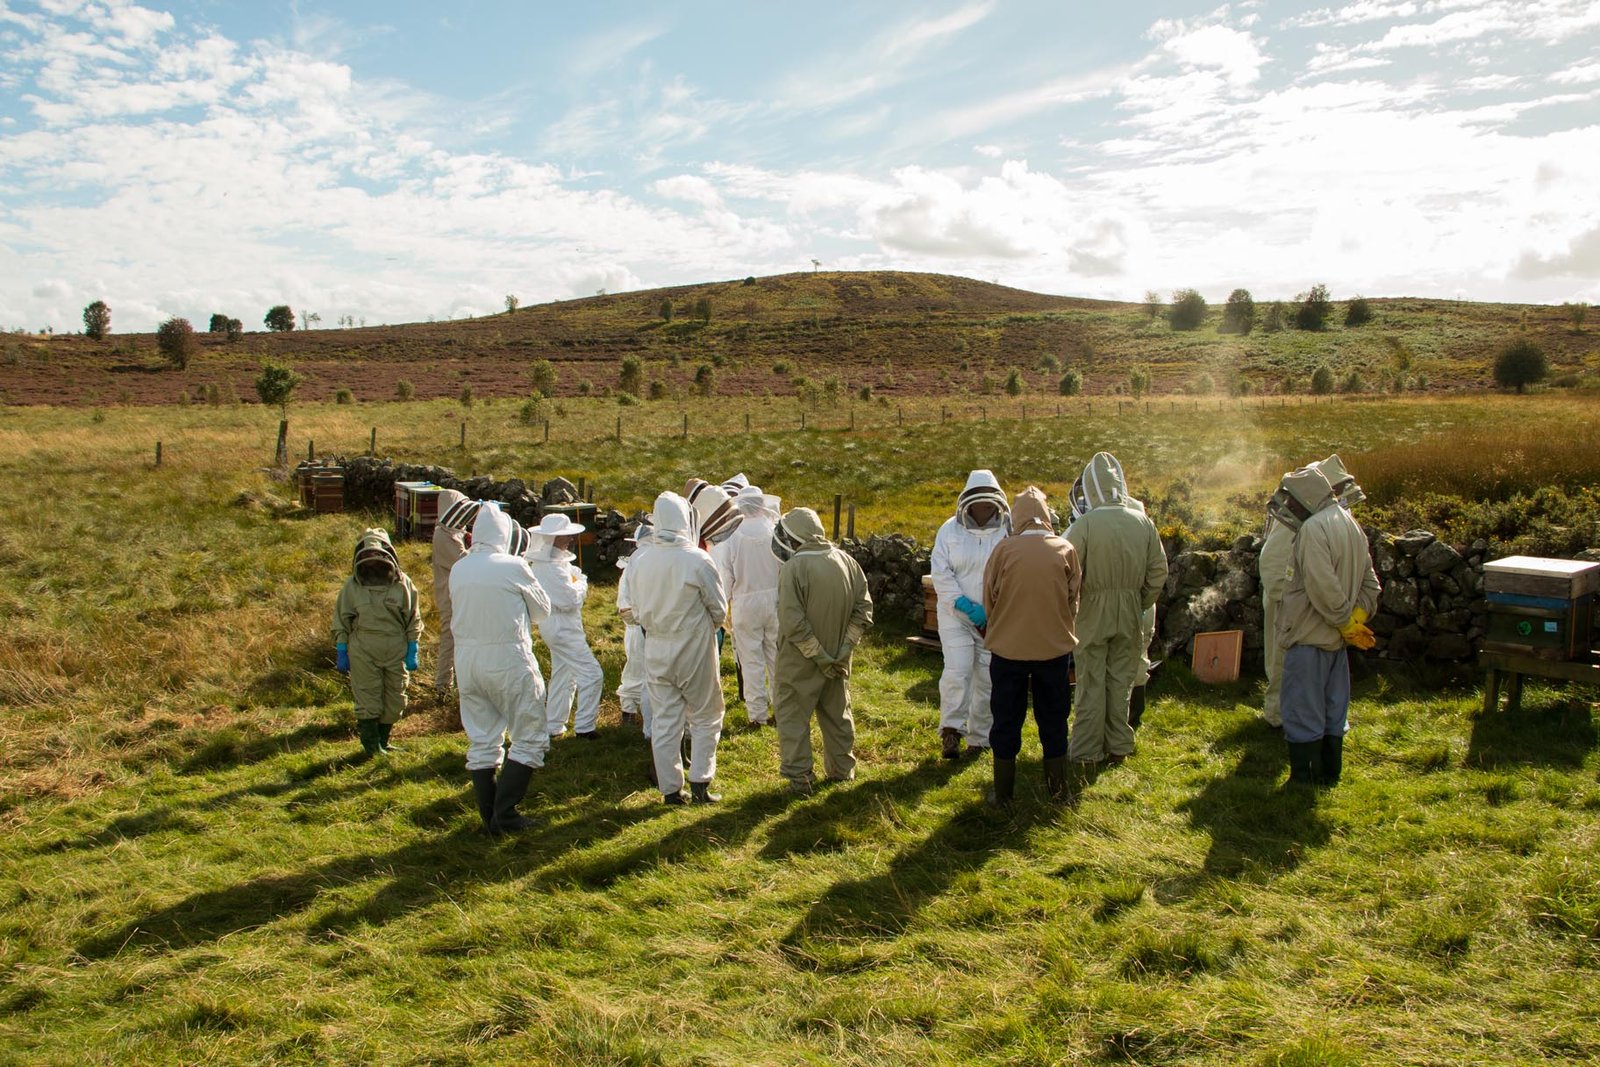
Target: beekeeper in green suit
1124,567
824,610
377,624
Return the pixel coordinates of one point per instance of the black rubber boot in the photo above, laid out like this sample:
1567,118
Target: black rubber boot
700,793
384,729
1305,760
1136,707
1332,760
675,799
508,793
483,789
367,732
1005,783
1055,778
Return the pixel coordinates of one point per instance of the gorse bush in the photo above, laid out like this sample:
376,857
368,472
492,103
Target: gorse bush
534,410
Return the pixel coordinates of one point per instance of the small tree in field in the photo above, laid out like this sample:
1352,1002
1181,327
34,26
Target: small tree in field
1358,312
631,377
1273,322
511,303
1152,304
1187,311
219,323
1139,383
97,320
1239,313
1576,313
1521,364
543,374
705,380
1313,308
666,309
1322,380
1015,386
234,329
1071,383
279,319
702,310
276,384
176,341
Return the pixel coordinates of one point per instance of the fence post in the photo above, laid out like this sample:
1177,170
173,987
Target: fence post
619,429
1024,413
944,413
583,487
546,431
686,424
983,414
372,442
311,451
747,422
850,527
281,456
852,419
838,505
899,416
158,453
802,419
463,434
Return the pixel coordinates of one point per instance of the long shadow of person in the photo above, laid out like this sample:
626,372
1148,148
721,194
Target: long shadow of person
1257,828
825,826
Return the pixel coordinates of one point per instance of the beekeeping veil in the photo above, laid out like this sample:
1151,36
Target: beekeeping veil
1345,489
456,512
982,488
800,529
1301,494
715,517
374,561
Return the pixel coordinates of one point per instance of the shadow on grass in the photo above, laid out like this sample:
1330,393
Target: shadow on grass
232,746
824,826
1257,828
1556,735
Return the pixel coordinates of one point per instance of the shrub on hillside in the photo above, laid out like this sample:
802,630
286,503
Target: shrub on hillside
705,380
279,318
1322,380
404,390
631,377
1313,308
1358,312
344,396
1139,383
276,384
542,373
1203,385
1048,364
658,391
1152,304
1273,322
1239,313
176,341
1353,382
235,329
1071,383
1015,386
219,323
627,400
1187,311
464,398
665,309
534,411
1521,364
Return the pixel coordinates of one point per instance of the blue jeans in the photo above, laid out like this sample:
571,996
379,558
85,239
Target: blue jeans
1315,696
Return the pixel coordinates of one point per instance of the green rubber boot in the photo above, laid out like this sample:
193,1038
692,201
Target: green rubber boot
384,729
367,733
1305,762
1005,783
1055,778
1332,760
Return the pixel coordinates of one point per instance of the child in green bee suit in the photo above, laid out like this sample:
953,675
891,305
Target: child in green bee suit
377,624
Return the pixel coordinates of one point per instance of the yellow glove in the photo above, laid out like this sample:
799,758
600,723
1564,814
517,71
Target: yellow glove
1356,635
1354,625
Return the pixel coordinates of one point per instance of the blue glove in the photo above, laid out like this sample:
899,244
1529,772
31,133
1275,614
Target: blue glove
972,610
411,655
341,658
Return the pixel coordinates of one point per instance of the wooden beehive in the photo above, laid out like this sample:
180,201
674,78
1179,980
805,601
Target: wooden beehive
1541,607
424,511
320,487
403,507
1217,655
930,607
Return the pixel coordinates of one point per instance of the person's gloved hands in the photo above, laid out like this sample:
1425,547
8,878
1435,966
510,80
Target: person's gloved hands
1355,631
972,610
341,658
411,655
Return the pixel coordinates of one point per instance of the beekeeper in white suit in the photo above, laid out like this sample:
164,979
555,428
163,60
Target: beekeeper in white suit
750,576
574,672
632,693
961,549
678,600
496,603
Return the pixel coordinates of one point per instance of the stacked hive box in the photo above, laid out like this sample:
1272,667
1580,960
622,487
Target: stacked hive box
1541,607
404,507
320,487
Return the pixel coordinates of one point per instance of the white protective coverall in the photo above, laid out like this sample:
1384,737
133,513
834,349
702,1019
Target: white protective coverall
678,600
573,669
632,692
1124,568
750,577
496,602
449,545
961,550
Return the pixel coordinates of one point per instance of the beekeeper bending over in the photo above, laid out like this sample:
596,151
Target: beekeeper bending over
679,603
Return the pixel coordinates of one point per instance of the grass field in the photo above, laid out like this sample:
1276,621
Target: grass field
193,867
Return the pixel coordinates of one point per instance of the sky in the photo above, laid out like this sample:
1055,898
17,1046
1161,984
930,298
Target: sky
402,161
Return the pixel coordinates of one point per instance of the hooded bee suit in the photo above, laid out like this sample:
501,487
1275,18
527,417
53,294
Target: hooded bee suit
961,550
574,672
823,613
377,621
1147,621
1124,567
496,604
632,692
1285,514
450,538
1331,590
678,600
750,575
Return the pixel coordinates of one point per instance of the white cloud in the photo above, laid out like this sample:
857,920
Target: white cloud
988,151
1233,53
1578,74
1012,107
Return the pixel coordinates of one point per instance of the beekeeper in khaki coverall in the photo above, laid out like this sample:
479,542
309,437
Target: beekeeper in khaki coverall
823,612
377,622
1124,567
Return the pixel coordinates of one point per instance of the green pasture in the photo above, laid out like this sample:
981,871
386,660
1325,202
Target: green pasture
195,869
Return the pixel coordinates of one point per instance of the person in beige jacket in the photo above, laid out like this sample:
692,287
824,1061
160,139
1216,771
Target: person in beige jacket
1030,608
1332,590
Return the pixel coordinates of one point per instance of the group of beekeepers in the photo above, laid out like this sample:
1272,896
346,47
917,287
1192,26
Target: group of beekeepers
719,558
1022,610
